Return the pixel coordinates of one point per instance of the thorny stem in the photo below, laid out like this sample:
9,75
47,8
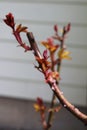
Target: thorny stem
56,90
75,111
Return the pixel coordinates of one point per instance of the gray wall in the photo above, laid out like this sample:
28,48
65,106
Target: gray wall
18,77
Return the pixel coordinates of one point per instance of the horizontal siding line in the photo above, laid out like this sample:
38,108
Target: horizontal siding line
71,85
20,80
38,82
78,66
69,44
15,60
65,65
76,46
8,41
35,22
78,3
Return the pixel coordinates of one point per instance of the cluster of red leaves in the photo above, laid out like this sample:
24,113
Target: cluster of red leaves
45,65
9,20
40,107
65,30
50,45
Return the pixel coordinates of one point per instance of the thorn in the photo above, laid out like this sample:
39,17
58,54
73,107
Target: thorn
64,105
53,88
61,93
76,109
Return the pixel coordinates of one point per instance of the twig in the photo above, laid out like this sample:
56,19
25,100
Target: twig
50,115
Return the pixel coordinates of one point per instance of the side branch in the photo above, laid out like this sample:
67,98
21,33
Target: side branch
55,87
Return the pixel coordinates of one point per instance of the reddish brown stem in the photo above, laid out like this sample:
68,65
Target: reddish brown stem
56,89
75,111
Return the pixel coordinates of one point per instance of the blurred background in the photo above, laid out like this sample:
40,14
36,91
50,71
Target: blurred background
19,80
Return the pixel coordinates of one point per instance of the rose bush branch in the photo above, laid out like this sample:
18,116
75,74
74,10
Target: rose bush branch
44,65
55,88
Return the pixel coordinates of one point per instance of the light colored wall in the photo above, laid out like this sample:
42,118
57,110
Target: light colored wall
18,77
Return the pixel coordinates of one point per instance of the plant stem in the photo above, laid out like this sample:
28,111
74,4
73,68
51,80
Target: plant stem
66,104
50,116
